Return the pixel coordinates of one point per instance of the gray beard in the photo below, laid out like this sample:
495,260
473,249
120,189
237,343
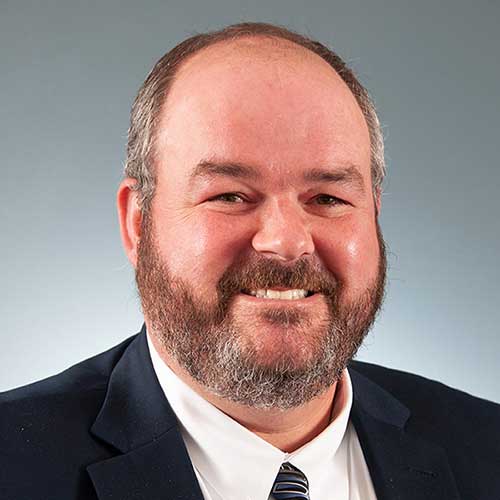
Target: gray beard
205,339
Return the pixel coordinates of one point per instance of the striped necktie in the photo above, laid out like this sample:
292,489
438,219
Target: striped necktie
290,484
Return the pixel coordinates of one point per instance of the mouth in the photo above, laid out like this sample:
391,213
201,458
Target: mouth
279,293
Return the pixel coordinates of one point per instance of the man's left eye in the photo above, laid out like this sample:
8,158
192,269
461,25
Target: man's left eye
326,199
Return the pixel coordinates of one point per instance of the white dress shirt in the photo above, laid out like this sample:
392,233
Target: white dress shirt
232,463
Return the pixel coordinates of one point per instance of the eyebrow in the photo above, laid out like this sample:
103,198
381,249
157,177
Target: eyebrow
215,169
344,175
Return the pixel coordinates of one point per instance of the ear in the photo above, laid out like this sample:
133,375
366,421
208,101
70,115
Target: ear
377,198
130,216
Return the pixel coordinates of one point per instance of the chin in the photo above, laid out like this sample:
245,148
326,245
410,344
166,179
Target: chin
274,345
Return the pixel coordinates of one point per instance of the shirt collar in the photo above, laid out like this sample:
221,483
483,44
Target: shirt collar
223,451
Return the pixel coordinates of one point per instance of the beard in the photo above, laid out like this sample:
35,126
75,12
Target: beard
208,340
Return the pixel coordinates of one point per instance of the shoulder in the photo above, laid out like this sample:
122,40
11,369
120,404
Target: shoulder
44,426
416,391
447,415
85,381
463,426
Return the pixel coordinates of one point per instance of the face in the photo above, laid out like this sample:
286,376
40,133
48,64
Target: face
260,265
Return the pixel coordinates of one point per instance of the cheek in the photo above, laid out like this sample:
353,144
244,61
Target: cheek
201,247
351,252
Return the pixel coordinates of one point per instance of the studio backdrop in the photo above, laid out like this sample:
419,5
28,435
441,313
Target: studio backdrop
70,71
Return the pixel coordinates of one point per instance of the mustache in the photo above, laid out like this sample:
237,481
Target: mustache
265,273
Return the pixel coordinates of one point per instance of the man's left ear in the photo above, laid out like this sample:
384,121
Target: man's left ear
130,216
377,198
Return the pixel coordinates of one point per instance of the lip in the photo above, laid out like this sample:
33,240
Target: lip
274,289
263,301
278,288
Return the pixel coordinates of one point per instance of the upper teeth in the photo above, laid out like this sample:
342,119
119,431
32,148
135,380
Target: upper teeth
279,294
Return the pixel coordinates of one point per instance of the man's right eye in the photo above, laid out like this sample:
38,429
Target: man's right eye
228,198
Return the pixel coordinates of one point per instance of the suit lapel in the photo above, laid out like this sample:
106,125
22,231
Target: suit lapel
401,466
137,420
156,471
152,462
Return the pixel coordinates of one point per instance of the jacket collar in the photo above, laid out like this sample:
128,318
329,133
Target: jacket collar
135,411
153,463
401,465
137,420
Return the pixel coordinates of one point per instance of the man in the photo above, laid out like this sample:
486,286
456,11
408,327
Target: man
249,211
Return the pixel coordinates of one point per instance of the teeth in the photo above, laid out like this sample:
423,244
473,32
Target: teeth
276,294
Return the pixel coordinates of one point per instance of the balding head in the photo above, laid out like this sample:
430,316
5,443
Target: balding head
260,101
145,117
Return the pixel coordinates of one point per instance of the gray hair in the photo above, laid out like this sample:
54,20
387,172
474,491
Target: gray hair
148,103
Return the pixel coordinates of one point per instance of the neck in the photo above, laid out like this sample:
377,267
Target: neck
286,430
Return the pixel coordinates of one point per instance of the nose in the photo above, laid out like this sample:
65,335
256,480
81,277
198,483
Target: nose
283,232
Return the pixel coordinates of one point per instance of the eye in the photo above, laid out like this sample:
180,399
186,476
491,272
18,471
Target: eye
329,200
228,198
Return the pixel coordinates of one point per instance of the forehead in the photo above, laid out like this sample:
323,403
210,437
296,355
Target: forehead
264,102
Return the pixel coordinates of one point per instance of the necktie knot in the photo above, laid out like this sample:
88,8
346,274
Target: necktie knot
290,484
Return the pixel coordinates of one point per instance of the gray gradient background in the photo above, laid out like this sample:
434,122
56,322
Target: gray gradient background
69,72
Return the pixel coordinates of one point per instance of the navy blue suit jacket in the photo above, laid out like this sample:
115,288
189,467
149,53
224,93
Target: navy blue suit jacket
104,430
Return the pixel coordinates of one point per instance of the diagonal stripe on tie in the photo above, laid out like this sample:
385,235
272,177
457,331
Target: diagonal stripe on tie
290,484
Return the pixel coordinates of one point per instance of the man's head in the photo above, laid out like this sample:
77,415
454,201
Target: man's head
263,168
145,115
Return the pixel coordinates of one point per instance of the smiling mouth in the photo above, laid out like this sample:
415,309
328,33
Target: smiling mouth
284,294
